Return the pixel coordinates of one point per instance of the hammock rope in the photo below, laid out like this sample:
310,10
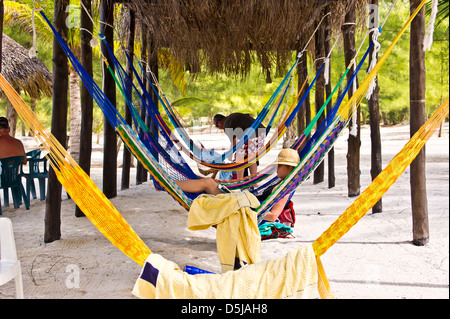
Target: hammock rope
210,158
344,114
134,143
183,136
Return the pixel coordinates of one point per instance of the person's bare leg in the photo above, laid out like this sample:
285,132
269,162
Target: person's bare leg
240,174
207,185
253,169
240,158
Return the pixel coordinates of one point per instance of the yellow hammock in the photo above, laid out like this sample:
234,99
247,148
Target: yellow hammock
96,206
381,183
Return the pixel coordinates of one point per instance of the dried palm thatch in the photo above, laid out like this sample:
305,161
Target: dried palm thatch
227,35
24,73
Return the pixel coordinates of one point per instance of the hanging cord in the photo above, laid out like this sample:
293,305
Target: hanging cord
428,40
320,22
32,53
93,23
373,61
94,40
376,31
354,127
327,61
100,36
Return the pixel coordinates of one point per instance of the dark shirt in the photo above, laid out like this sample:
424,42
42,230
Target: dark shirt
262,193
236,123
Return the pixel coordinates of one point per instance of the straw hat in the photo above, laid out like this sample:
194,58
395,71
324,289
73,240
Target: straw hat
288,156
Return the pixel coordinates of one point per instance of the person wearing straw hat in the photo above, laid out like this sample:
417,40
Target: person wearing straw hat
287,160
10,146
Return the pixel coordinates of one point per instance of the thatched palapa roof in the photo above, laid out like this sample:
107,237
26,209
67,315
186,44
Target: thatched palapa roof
227,35
24,73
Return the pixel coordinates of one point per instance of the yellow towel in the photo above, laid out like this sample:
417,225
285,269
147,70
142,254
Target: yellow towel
238,238
297,275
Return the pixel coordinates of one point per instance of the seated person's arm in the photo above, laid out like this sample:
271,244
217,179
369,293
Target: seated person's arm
23,153
276,210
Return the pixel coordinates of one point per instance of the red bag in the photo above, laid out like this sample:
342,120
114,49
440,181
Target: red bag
287,216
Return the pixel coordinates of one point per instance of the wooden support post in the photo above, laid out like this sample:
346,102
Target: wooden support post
126,159
417,119
52,219
109,88
87,102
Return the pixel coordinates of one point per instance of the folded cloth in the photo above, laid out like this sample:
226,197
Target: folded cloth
298,274
238,239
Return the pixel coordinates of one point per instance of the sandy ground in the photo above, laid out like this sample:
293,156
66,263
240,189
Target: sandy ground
376,259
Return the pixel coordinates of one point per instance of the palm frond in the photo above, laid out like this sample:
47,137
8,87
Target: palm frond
20,14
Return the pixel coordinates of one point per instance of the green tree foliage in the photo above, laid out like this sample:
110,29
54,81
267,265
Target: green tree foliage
203,94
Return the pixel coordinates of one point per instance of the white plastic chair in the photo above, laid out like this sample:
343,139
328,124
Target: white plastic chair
9,265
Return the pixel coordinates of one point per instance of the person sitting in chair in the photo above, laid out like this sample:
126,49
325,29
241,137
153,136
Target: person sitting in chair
10,146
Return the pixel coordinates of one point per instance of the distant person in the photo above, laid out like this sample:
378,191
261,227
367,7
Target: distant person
10,146
235,126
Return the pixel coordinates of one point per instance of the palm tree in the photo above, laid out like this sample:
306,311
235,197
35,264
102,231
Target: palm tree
442,14
21,14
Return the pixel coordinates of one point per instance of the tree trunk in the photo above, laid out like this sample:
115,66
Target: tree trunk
375,118
87,102
141,173
289,137
320,92
331,172
75,115
302,71
59,122
153,63
11,115
126,157
417,119
354,142
109,88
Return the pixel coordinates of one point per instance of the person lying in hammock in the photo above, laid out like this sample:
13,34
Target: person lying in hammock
286,161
